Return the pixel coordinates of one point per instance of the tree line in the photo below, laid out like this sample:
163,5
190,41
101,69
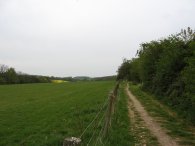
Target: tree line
8,75
166,68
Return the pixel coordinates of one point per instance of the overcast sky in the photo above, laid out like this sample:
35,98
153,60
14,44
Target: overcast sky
84,37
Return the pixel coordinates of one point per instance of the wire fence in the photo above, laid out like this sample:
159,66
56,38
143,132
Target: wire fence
96,117
101,122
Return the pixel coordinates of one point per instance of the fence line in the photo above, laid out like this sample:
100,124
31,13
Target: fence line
110,111
94,118
99,123
101,130
111,100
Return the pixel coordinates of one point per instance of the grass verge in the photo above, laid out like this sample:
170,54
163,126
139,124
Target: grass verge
119,133
176,127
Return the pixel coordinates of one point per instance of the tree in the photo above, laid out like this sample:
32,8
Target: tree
124,70
167,68
11,76
3,70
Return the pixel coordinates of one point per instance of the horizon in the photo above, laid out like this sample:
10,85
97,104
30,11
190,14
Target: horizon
23,73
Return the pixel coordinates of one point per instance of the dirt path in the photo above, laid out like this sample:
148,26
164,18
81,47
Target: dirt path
151,124
142,135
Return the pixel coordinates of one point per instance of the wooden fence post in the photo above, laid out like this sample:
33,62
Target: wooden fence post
108,115
110,111
72,141
116,89
115,94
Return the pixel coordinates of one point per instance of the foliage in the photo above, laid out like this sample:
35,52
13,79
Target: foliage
167,68
105,78
9,76
124,69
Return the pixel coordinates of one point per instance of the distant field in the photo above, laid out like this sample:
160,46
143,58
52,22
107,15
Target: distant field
44,114
58,81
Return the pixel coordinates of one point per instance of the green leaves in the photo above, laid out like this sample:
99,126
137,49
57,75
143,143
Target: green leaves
166,67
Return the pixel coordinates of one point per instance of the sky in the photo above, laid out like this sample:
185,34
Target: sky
84,37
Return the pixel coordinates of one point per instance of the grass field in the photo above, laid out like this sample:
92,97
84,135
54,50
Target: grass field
58,81
44,114
120,133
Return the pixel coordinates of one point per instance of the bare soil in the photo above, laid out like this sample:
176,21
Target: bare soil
142,135
163,138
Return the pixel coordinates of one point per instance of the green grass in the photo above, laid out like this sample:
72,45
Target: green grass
176,126
120,134
44,114
125,131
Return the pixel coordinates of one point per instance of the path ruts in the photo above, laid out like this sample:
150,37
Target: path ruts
151,124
